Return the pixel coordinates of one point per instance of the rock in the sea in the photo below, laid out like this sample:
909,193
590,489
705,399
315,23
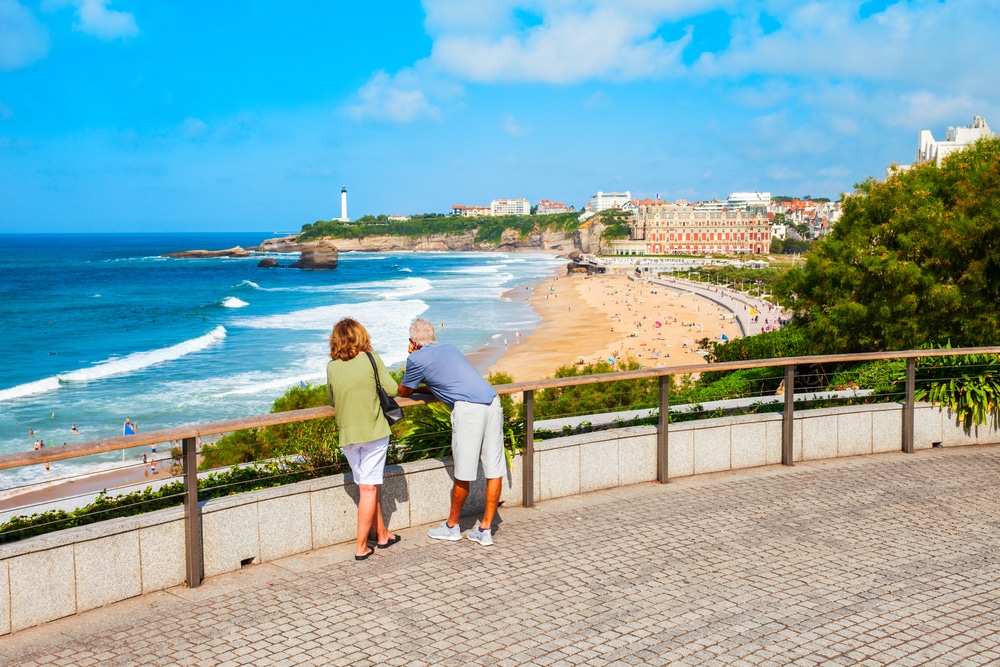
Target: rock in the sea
268,263
205,254
318,255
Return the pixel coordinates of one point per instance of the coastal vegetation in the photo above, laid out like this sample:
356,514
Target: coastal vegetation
914,262
488,229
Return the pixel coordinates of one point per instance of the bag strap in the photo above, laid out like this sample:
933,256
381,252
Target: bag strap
378,384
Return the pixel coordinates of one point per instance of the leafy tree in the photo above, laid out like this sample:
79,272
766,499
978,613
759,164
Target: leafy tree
913,262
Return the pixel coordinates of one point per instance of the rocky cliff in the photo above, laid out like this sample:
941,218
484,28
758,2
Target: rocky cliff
585,240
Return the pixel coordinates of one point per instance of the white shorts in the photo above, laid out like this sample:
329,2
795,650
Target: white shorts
477,435
367,460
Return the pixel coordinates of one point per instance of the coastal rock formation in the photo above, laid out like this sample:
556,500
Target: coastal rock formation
205,254
318,255
585,240
284,244
267,263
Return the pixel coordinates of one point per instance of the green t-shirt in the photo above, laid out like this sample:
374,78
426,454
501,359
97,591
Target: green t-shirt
352,392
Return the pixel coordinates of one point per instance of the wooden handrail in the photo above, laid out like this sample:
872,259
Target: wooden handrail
178,433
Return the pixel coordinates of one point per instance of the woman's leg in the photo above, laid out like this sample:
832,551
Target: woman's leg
367,504
381,529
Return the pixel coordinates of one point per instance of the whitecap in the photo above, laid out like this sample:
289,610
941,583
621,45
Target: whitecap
474,270
233,302
116,366
374,315
249,283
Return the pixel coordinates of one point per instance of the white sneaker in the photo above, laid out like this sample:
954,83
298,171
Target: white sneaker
484,537
446,532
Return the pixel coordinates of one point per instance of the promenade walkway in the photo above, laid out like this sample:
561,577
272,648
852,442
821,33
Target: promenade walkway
889,559
736,302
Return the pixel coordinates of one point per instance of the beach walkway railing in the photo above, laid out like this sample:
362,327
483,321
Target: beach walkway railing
189,435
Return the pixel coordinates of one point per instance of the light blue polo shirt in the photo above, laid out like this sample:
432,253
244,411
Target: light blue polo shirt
447,374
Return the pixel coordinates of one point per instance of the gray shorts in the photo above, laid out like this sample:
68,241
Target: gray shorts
477,435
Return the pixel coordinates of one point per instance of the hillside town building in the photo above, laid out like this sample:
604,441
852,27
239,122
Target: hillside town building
602,201
471,211
510,207
546,207
956,139
662,228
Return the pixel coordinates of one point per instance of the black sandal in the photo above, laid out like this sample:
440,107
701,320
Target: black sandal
365,556
388,544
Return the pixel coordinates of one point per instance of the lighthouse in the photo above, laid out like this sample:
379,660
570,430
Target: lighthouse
343,204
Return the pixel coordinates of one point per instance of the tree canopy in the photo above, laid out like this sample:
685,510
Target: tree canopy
913,262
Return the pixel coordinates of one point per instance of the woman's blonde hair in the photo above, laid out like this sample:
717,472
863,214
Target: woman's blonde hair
349,339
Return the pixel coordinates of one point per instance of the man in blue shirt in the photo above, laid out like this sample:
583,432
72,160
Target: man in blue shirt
476,422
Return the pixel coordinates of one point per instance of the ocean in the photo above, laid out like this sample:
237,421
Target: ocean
100,327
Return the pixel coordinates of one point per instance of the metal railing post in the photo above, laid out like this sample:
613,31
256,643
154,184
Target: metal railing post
528,453
194,557
662,432
787,431
908,409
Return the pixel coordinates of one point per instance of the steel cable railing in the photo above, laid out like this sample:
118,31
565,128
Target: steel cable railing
654,397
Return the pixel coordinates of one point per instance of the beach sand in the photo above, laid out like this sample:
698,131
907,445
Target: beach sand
62,488
590,318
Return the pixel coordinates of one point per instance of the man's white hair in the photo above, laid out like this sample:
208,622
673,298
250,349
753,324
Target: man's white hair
422,332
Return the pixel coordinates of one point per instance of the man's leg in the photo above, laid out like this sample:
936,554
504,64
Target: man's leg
459,492
493,488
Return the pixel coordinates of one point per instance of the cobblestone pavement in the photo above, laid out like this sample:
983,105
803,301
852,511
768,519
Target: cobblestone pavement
887,559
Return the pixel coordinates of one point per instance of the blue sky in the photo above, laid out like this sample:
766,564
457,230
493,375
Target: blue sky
120,115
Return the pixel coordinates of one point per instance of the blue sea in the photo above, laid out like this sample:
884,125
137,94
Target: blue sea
97,327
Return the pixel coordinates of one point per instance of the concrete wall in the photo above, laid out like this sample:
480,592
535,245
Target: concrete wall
60,574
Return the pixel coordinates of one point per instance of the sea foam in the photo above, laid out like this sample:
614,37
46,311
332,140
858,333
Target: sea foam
233,302
374,315
116,366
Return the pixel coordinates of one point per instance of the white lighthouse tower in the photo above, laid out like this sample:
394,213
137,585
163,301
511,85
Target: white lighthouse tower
343,204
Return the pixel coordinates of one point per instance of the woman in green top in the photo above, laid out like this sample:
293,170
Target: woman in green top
363,430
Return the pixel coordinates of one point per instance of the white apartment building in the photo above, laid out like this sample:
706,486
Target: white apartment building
602,201
740,200
510,207
956,139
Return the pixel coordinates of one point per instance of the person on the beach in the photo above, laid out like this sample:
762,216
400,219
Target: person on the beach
363,429
152,466
128,428
476,422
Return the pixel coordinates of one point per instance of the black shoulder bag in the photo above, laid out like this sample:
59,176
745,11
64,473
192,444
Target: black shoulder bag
393,413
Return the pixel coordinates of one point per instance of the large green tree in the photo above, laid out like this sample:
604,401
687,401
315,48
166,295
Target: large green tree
914,261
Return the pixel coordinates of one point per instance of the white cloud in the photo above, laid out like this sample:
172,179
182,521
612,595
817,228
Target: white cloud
193,128
23,40
819,54
94,18
512,127
398,98
922,42
568,48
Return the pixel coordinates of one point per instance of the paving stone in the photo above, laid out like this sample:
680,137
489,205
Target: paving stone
872,560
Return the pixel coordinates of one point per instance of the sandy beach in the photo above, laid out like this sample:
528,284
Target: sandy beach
589,318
